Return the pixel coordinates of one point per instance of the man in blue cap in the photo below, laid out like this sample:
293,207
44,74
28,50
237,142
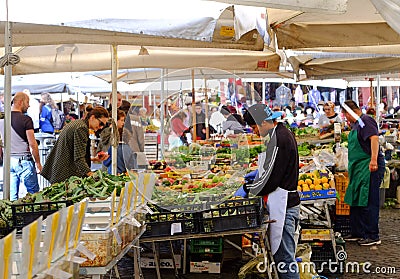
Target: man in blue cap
278,171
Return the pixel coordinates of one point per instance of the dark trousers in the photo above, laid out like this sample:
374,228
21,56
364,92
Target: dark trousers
364,221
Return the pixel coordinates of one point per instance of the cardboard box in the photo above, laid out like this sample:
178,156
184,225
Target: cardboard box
205,267
164,263
318,194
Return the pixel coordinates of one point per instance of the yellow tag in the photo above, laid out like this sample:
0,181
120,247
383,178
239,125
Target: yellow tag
69,220
145,183
129,200
121,201
135,197
113,195
32,237
81,216
54,226
227,31
8,243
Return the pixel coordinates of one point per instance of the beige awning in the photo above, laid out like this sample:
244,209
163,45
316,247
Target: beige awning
341,67
84,57
360,25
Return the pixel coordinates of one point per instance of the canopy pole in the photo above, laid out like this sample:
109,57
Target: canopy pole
194,138
206,109
162,112
378,98
114,70
7,112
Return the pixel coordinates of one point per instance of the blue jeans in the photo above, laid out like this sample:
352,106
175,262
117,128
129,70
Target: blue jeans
22,171
365,220
284,258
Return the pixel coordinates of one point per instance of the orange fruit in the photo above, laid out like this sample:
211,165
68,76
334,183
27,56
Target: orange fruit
300,182
324,179
325,186
308,181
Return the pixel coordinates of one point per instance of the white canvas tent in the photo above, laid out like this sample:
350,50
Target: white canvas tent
356,42
57,83
85,57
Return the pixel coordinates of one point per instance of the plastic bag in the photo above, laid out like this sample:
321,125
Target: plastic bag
303,257
341,159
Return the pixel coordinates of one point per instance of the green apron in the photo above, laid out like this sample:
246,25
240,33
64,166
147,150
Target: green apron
359,174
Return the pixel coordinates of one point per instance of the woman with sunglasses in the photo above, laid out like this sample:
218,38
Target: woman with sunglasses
329,117
71,152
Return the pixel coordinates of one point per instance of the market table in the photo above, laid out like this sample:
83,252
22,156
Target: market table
264,247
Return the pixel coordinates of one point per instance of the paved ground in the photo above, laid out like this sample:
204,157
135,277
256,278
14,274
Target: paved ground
381,261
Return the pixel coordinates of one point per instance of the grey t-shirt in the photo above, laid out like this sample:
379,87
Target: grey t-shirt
20,123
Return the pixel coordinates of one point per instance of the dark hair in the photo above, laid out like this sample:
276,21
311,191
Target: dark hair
351,104
88,108
98,112
225,110
125,106
120,114
180,114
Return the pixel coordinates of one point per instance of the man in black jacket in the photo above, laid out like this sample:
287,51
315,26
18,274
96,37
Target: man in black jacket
277,182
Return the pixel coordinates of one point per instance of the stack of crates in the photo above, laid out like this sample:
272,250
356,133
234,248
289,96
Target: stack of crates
206,255
342,217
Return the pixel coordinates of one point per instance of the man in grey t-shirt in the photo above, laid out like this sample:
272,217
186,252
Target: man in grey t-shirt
25,160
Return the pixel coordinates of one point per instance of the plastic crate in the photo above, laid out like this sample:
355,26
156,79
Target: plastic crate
232,215
342,225
5,231
206,245
24,214
101,244
315,235
169,223
322,253
341,183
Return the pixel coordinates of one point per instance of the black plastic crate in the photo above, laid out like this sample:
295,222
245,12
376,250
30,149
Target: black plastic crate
232,215
159,224
342,225
5,231
322,254
24,214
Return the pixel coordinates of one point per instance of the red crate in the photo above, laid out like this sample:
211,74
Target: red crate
341,183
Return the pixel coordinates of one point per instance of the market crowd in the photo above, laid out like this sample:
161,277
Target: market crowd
89,138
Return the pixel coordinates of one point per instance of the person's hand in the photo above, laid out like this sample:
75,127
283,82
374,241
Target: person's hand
39,167
100,157
241,192
249,178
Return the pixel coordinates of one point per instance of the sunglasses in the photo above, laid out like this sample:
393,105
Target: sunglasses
101,123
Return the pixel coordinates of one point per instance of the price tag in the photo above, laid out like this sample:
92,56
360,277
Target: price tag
85,251
148,209
116,235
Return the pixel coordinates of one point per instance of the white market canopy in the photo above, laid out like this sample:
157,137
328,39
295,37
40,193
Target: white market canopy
85,57
359,41
57,83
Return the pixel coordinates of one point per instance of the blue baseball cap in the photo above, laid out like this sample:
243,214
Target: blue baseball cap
270,114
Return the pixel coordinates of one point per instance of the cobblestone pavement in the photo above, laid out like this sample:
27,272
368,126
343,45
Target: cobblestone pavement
382,261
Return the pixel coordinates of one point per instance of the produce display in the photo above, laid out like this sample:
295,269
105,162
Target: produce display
316,180
74,189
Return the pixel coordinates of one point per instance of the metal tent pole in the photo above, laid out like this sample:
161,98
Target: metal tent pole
7,113
162,112
114,70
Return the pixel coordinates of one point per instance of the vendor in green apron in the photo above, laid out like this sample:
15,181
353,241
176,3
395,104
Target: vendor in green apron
276,181
366,170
